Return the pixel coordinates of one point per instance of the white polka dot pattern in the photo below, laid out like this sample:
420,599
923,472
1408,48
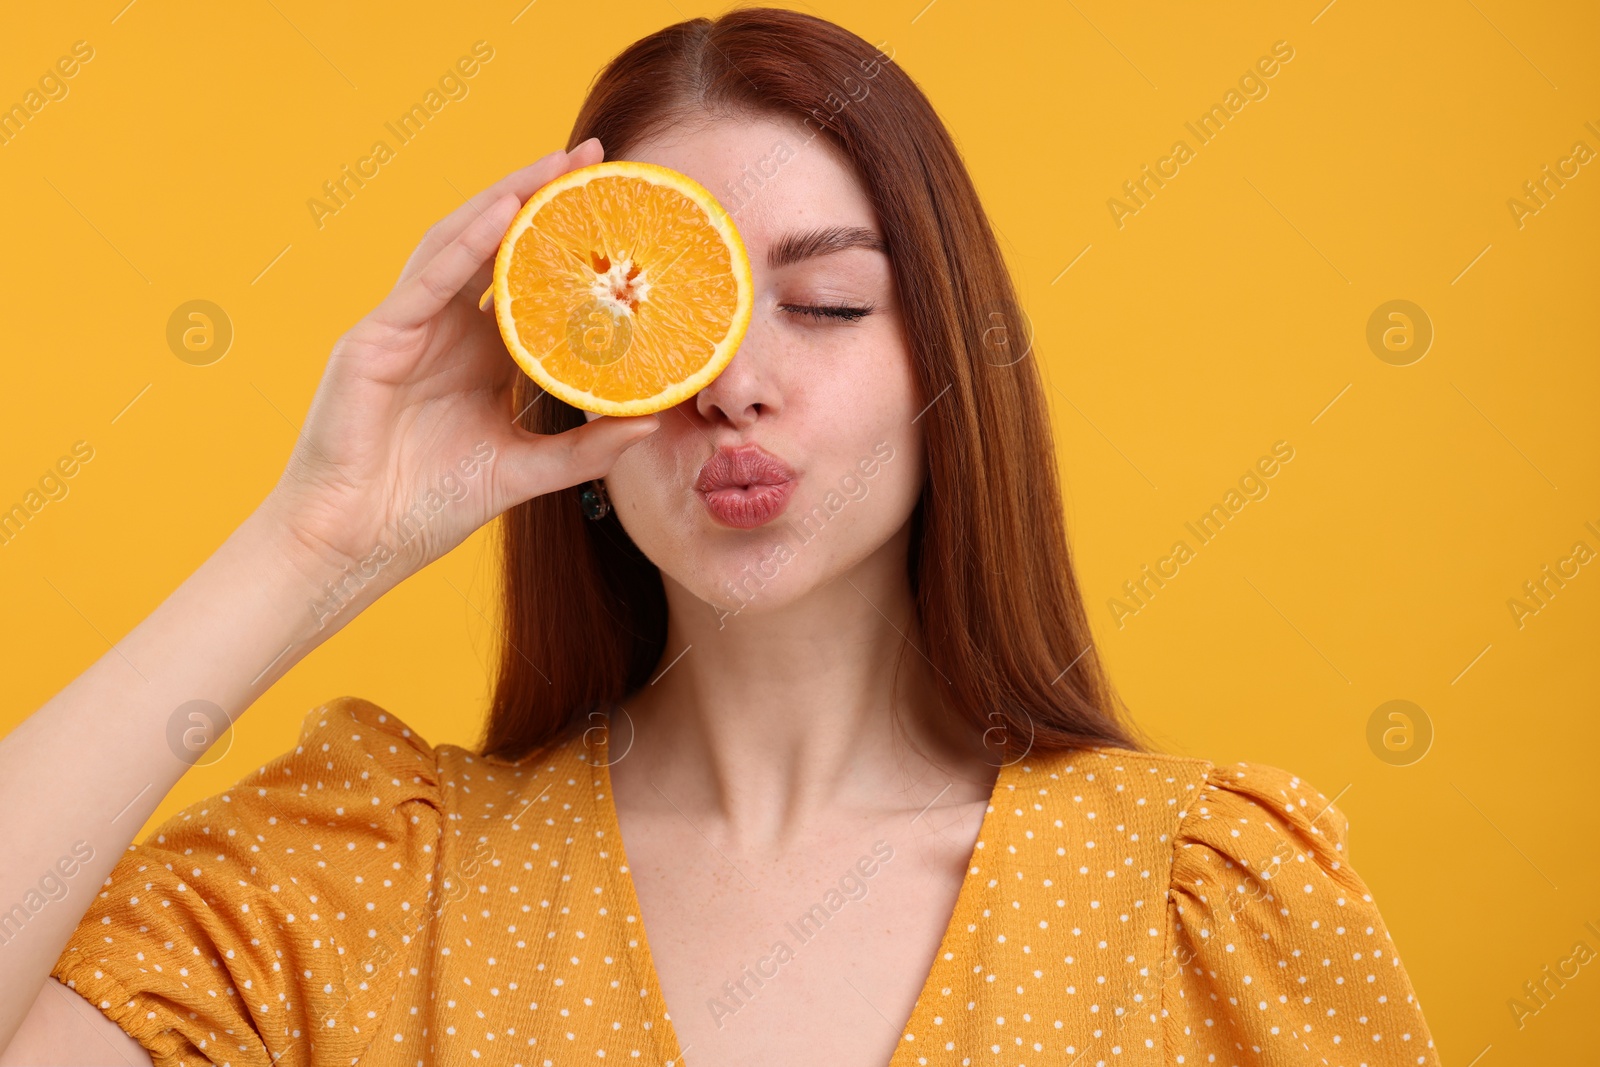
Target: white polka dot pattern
367,896
1133,908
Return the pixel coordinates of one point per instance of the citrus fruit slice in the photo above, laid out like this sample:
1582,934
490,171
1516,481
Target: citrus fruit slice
622,288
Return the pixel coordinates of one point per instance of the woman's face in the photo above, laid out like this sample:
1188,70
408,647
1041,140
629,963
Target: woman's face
829,393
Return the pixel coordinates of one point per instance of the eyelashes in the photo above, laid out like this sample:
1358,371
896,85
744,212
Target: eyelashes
835,312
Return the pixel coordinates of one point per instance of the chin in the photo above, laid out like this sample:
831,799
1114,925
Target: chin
762,575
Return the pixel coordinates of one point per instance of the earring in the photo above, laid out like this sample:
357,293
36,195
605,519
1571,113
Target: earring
596,504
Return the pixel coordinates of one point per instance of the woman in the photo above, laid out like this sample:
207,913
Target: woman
878,800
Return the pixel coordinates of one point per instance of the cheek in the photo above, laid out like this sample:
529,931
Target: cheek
877,400
646,482
861,387
866,415
870,467
887,474
854,510
634,475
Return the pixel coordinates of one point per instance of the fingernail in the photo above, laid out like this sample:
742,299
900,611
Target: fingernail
590,141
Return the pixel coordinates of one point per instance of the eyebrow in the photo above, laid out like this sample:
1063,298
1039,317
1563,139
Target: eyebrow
794,247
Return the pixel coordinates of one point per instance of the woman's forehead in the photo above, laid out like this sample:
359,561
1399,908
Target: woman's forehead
774,176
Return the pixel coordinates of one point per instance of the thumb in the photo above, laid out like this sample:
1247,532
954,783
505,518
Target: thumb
545,463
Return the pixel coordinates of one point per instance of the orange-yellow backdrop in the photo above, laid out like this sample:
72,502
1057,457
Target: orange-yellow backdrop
1182,339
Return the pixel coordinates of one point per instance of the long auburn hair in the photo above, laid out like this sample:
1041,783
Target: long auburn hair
584,613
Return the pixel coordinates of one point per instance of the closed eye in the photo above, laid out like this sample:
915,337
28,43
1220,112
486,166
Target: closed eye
843,312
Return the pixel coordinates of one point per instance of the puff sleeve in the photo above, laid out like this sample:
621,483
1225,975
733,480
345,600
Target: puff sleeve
1278,954
272,919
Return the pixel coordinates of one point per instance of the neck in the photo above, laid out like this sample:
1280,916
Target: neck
766,721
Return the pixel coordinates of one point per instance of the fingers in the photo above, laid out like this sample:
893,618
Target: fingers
422,296
522,182
589,451
586,154
423,292
545,463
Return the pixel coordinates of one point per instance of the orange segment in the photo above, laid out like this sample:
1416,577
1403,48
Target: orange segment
622,288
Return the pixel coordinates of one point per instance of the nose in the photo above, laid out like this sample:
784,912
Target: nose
748,387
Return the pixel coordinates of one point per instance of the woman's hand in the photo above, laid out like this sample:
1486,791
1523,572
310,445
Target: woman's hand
410,444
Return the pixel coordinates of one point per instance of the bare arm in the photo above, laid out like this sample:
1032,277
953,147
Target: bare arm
64,1030
408,447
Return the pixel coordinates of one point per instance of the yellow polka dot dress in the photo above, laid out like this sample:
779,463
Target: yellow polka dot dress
368,898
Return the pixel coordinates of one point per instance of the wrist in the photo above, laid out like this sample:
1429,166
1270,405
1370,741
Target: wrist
336,585
281,526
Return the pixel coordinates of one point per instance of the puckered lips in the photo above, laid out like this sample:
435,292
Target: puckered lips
745,487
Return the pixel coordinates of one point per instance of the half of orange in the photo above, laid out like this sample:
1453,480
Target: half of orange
622,288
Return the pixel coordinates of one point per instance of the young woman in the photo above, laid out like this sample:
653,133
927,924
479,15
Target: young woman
854,766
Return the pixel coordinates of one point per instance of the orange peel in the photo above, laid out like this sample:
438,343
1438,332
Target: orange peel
622,288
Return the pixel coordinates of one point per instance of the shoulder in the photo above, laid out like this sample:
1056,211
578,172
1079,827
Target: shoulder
1180,802
1257,803
350,729
1150,788
1264,909
353,762
325,855
474,780
350,755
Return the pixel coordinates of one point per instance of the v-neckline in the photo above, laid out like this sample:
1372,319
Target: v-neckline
620,876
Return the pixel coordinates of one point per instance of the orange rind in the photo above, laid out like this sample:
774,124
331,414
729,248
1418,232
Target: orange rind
622,288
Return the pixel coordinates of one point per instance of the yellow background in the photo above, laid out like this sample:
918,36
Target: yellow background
1227,314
